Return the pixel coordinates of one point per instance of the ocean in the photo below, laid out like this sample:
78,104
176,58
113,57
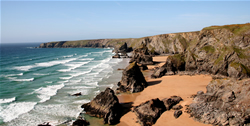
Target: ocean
36,84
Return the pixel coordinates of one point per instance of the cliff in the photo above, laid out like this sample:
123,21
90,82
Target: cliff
165,43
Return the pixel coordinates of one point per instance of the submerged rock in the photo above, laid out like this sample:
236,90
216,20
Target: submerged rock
77,94
132,79
105,105
80,122
149,112
45,124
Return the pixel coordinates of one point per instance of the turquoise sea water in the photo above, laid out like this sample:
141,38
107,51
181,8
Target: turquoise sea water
36,84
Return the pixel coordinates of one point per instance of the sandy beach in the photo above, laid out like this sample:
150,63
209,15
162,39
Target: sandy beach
183,86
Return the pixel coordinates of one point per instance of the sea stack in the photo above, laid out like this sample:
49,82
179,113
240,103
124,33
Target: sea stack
132,79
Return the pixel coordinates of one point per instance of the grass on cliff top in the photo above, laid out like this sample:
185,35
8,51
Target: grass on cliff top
234,28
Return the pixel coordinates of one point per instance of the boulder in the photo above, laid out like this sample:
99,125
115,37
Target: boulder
105,105
170,102
177,107
159,72
80,122
132,79
177,113
116,56
149,112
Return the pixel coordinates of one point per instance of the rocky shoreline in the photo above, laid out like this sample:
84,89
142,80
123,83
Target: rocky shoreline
220,51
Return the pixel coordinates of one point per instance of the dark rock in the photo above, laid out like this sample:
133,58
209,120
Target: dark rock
149,112
80,122
159,73
225,103
77,94
143,67
132,79
170,102
141,55
45,124
177,107
104,105
177,113
123,48
116,56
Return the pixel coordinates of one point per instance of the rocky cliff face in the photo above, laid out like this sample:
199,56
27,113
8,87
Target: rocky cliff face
165,43
216,36
223,50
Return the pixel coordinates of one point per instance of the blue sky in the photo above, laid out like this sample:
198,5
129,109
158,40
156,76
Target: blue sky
45,21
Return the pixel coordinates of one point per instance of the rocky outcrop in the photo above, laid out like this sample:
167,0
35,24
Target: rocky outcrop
105,105
141,55
132,79
226,102
173,64
222,50
149,112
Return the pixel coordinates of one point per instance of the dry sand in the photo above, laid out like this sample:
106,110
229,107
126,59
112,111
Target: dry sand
164,87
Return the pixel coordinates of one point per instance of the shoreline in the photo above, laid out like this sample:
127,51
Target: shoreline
164,87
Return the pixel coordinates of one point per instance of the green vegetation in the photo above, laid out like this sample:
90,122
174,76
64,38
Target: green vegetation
241,53
240,67
182,41
178,60
234,28
209,49
223,52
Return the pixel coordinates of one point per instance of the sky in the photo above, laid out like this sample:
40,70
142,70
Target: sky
46,21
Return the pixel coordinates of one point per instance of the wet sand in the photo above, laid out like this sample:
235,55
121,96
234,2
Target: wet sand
164,87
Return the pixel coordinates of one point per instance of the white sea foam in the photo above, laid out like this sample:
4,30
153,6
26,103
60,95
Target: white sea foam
15,79
24,68
81,101
76,81
80,87
65,78
11,75
13,110
40,74
73,66
46,92
44,64
7,100
87,59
